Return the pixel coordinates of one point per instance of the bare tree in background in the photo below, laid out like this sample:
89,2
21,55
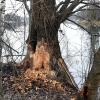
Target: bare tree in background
2,11
93,27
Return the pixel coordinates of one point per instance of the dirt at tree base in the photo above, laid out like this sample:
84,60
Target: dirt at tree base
35,85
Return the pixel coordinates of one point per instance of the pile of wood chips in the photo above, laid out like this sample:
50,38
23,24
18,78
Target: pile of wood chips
35,85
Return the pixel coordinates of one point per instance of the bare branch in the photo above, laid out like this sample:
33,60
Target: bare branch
61,3
65,4
79,26
86,4
26,6
94,4
69,7
79,9
67,11
9,46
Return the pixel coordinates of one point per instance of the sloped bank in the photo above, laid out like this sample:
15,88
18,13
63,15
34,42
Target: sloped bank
35,85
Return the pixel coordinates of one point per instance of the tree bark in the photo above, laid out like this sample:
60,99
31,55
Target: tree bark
93,79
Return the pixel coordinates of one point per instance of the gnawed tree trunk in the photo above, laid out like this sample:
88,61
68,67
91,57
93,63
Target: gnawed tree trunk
43,44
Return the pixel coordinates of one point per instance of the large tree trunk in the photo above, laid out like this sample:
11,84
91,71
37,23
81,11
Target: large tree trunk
43,44
93,79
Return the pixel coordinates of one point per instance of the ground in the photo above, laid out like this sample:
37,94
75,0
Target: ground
34,85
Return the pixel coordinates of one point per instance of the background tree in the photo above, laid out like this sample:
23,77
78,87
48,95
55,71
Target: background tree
90,20
2,11
93,78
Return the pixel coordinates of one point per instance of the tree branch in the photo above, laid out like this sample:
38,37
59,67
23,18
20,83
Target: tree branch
67,11
65,4
9,46
86,4
61,3
94,4
79,26
26,6
68,8
79,9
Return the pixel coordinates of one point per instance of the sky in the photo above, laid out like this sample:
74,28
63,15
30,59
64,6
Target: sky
76,50
74,43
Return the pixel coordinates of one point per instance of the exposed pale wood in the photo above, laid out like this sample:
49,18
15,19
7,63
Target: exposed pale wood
41,57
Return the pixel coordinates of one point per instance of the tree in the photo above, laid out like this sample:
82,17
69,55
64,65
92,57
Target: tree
2,8
90,19
93,79
43,45
2,11
14,22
